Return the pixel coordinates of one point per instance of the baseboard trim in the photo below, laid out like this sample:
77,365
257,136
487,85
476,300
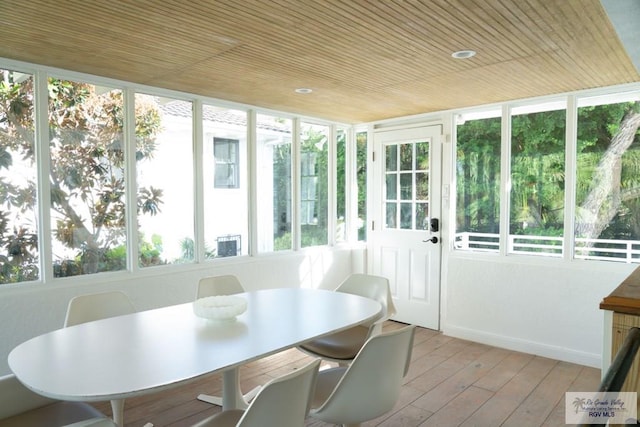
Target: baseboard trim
553,352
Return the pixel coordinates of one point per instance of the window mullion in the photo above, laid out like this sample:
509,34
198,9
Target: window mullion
505,179
570,177
332,185
131,189
351,187
198,151
252,176
296,229
43,163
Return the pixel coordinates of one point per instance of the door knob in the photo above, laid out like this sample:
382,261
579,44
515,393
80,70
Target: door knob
434,239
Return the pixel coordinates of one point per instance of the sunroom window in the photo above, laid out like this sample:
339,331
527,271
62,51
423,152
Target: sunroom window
166,228
536,216
478,181
314,185
607,217
19,253
274,140
225,189
87,210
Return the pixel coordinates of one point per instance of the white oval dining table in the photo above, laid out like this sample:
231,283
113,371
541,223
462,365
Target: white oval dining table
148,351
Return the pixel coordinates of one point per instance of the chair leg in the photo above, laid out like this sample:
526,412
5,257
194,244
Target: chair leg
249,396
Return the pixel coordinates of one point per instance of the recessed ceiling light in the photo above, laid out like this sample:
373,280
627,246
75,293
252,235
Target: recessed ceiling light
304,90
463,54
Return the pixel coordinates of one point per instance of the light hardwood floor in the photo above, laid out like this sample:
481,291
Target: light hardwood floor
451,382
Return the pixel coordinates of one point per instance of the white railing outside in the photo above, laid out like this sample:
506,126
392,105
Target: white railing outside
595,249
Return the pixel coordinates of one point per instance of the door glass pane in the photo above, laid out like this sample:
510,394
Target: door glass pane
19,255
422,186
422,156
406,187
392,157
406,157
406,216
274,184
391,215
87,176
225,189
392,186
165,183
422,216
413,182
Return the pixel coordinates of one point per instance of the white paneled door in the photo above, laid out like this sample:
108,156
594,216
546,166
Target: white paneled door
404,241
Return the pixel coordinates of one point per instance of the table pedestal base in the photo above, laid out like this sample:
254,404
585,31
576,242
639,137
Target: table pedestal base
232,397
117,411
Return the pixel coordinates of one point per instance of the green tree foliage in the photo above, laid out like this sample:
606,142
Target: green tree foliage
537,173
361,178
608,173
608,180
86,169
282,196
478,171
18,240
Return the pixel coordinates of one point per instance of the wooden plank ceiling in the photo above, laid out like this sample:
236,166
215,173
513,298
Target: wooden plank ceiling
364,60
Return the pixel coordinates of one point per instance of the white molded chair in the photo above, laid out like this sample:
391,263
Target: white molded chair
98,306
343,346
213,286
282,402
218,285
368,387
90,307
20,407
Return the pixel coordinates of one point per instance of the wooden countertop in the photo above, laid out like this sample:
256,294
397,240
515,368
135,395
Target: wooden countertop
626,297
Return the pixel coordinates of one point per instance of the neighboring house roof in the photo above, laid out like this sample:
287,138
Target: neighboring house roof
183,109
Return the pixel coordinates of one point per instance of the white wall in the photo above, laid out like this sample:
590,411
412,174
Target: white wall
28,310
545,307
